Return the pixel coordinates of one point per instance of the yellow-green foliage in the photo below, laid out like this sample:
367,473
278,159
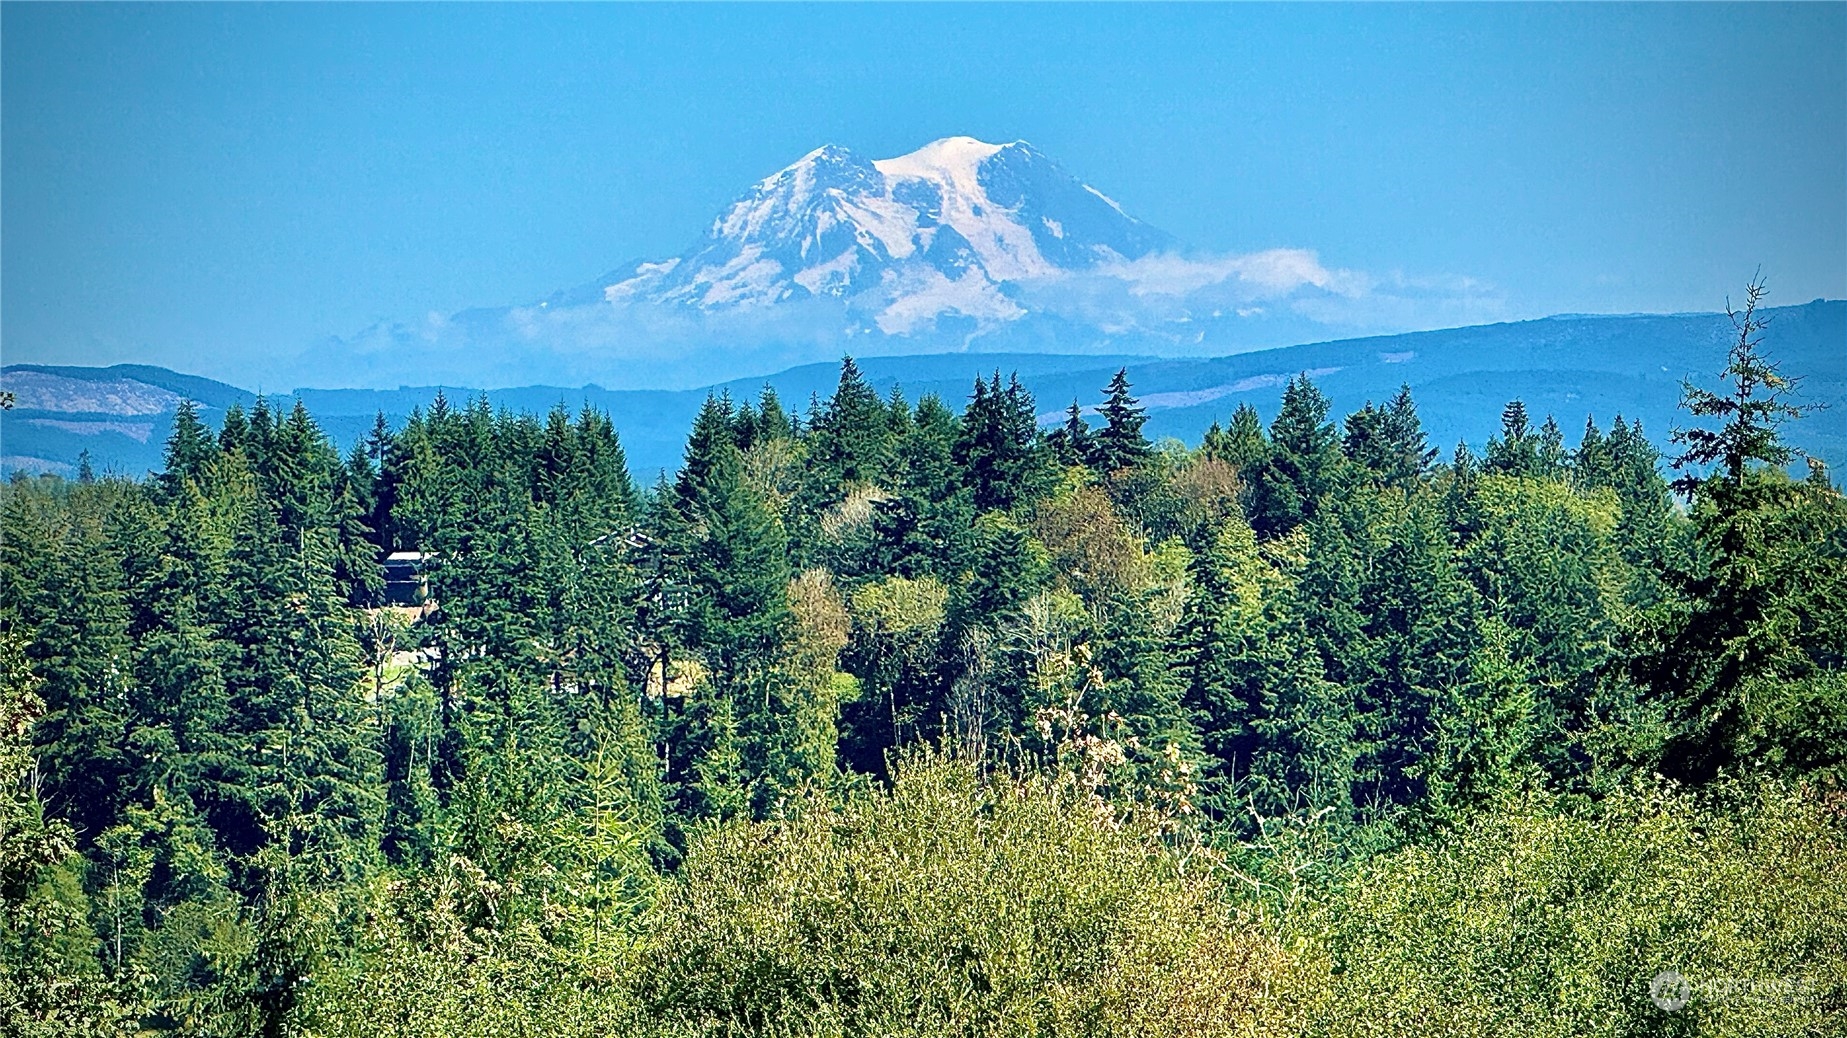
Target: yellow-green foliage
951,906
1553,529
897,606
1530,922
1091,546
426,970
818,634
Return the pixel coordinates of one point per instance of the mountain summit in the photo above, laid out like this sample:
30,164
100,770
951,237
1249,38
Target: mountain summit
961,245
951,228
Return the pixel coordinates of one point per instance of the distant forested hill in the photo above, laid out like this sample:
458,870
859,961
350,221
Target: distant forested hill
1571,367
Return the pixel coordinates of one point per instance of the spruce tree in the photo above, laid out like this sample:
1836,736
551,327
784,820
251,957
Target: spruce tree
773,423
1003,459
1388,442
1751,413
710,440
1407,455
234,430
1420,621
1072,443
189,449
1550,459
740,572
65,584
1243,444
922,528
1303,466
1751,652
49,973
1483,734
1276,733
1142,687
1363,440
850,441
1592,465
1516,451
1120,443
1546,564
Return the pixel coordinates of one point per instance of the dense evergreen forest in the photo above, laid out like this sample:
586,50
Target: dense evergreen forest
882,717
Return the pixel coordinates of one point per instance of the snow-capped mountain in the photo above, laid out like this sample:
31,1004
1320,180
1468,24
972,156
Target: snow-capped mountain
956,227
958,246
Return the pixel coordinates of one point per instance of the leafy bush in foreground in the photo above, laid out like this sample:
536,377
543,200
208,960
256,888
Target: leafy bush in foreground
1537,922
952,906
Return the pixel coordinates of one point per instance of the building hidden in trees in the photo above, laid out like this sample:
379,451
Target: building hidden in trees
406,584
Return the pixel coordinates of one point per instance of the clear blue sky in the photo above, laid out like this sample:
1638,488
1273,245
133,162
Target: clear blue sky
202,186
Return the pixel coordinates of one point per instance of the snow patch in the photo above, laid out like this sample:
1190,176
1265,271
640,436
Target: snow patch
892,224
1003,244
933,294
748,277
832,277
1107,200
951,156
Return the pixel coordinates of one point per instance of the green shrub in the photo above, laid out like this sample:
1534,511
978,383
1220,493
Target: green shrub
953,905
1539,923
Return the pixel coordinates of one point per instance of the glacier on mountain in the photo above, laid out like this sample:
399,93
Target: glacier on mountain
949,229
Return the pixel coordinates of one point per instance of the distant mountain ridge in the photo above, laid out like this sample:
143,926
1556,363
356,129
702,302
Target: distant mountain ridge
197,388
1571,367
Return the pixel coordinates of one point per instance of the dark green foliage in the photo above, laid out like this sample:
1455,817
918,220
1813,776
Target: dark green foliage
189,449
850,441
51,980
921,529
1243,444
1120,443
1593,464
1420,631
1751,412
1141,699
1278,734
737,568
1407,455
1751,670
1005,566
1304,464
773,423
670,762
1551,452
1072,443
1460,484
1515,452
1003,460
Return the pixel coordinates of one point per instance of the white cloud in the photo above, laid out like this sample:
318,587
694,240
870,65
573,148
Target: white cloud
970,295
1270,273
1198,305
